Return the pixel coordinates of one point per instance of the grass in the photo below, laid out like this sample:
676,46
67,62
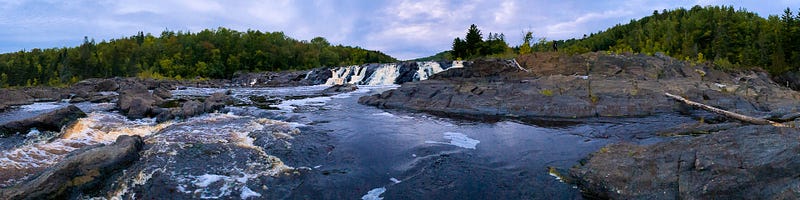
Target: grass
546,92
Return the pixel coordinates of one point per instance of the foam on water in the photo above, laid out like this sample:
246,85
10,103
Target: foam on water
246,192
96,128
427,69
458,139
374,194
40,106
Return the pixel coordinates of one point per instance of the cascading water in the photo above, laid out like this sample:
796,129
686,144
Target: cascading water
388,74
385,75
427,69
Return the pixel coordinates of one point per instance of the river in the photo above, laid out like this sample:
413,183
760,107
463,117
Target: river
308,146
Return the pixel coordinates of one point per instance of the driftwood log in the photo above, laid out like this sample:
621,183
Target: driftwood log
729,114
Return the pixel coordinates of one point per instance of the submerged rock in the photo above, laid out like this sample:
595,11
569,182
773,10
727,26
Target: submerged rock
739,163
81,172
51,121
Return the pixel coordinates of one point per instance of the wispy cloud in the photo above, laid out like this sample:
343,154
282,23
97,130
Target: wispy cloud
402,28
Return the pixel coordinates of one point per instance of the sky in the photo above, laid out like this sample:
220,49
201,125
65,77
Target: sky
404,29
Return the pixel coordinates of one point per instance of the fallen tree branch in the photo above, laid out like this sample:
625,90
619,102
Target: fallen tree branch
737,116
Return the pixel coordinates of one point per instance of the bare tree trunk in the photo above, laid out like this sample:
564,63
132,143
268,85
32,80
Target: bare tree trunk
737,116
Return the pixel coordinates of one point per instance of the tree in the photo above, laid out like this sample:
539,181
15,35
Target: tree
459,48
473,40
209,53
525,48
3,80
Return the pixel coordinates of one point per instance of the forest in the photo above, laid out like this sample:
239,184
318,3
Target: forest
729,39
211,53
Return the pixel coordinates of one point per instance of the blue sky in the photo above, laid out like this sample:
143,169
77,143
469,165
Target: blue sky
404,29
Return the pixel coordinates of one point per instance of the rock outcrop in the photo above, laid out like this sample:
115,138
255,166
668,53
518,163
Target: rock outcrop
190,108
740,163
549,85
83,171
12,97
51,121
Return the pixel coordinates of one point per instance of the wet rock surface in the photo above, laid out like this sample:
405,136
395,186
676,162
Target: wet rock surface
739,163
79,173
225,156
336,89
51,121
728,160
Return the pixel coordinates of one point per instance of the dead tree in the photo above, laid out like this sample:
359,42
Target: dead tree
729,114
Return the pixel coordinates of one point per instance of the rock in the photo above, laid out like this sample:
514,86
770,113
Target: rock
51,121
738,163
83,171
557,86
217,101
13,97
135,101
102,97
162,93
106,85
46,94
336,89
192,108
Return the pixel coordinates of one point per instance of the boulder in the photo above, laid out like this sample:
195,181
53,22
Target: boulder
336,89
216,101
135,101
162,93
106,85
51,121
739,163
83,171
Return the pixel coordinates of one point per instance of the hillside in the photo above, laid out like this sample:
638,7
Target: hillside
217,53
728,38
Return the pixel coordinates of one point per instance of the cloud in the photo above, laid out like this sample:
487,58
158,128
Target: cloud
402,28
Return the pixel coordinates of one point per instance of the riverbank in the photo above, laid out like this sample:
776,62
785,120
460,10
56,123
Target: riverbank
559,88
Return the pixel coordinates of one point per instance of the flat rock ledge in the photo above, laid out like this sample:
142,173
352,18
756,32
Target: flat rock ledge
740,163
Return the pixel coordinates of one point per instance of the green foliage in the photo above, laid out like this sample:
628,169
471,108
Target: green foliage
525,48
730,38
211,53
473,46
444,55
546,92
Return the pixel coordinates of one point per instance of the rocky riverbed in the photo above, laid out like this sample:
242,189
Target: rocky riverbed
729,160
513,129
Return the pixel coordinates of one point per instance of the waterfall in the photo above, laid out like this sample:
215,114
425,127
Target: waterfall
427,69
339,75
387,74
384,75
457,64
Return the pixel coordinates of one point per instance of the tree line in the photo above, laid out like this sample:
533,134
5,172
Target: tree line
211,53
728,38
720,35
